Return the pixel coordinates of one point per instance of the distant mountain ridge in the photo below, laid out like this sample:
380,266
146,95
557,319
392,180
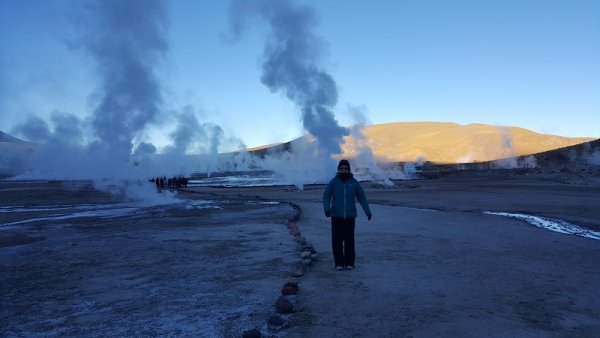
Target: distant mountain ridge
446,142
13,154
438,142
7,138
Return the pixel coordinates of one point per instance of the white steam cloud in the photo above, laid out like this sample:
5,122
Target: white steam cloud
507,151
587,155
291,65
363,160
509,159
194,137
127,42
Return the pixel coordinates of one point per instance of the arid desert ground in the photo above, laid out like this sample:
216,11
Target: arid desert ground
431,262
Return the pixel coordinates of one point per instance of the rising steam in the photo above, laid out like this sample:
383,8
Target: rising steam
363,160
127,41
290,65
509,159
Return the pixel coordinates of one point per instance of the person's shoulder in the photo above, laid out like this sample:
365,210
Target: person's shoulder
355,182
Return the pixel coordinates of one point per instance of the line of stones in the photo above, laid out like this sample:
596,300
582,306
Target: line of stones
287,304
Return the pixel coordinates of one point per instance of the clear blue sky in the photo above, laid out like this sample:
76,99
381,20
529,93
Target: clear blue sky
528,63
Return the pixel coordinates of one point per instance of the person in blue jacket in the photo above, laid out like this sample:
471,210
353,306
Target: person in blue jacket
339,204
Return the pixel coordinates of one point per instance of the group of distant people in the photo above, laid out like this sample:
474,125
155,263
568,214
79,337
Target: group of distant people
339,204
172,182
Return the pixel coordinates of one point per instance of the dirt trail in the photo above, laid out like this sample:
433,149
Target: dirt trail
430,263
453,271
429,273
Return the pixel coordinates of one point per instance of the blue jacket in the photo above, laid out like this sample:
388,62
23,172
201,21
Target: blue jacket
339,198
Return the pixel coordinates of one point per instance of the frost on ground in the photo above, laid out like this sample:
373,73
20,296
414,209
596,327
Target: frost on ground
551,224
429,264
110,269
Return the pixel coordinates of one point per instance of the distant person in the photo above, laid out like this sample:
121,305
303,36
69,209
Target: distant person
339,204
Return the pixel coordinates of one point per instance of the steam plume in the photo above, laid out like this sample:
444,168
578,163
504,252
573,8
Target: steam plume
510,159
507,151
364,161
291,65
34,129
126,39
192,136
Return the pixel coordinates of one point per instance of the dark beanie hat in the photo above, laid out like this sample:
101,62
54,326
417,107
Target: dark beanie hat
344,162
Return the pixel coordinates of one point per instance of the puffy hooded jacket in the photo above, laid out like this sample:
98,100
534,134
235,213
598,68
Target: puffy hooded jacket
339,198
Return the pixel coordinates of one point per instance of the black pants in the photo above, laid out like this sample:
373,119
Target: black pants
342,240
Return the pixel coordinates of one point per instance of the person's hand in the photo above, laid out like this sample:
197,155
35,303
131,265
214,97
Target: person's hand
327,213
369,216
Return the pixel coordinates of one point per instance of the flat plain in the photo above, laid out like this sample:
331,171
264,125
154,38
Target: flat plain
431,262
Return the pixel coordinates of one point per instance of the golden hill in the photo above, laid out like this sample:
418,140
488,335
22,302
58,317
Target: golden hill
443,142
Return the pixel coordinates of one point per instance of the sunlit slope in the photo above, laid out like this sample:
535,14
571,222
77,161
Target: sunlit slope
444,142
454,143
